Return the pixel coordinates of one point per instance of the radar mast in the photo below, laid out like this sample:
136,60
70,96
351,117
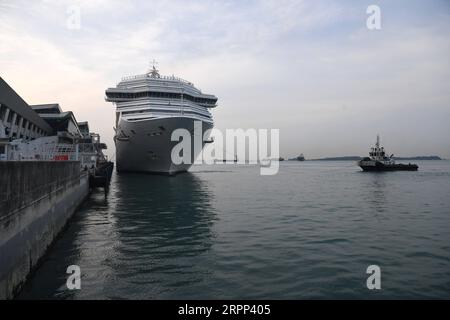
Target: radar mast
153,72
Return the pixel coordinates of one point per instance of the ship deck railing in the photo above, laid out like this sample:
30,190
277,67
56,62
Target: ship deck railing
146,76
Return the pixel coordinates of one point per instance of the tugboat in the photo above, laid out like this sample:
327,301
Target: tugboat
378,161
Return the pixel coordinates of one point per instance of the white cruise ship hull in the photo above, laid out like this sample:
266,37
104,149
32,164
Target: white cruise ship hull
146,146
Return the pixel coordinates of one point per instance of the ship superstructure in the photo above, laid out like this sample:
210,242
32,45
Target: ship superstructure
149,108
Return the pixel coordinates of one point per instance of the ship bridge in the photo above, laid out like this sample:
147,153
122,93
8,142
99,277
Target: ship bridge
154,86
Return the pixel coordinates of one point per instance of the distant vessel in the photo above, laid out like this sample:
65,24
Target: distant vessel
300,157
378,161
149,108
235,160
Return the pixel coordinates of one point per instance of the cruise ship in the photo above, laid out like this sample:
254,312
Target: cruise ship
149,107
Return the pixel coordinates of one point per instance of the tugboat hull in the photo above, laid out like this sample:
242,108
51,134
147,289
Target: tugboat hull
378,166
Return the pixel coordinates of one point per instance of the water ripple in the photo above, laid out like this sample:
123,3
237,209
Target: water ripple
227,232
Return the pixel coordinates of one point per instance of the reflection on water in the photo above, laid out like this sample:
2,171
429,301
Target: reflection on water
163,225
375,190
163,211
147,232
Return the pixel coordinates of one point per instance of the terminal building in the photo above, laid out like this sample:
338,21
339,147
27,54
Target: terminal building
21,124
17,119
84,129
63,124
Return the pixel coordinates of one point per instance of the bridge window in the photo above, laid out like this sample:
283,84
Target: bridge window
156,94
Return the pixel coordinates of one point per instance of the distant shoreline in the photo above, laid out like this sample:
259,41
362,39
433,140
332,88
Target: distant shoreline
356,158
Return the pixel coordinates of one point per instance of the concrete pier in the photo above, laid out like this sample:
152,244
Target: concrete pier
36,200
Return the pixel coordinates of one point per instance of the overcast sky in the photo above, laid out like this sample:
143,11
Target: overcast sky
309,68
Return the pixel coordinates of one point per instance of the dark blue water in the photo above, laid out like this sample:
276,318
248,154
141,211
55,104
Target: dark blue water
224,231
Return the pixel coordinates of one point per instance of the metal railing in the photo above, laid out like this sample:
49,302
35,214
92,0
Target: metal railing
146,76
83,152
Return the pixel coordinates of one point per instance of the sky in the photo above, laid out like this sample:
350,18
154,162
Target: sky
312,69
